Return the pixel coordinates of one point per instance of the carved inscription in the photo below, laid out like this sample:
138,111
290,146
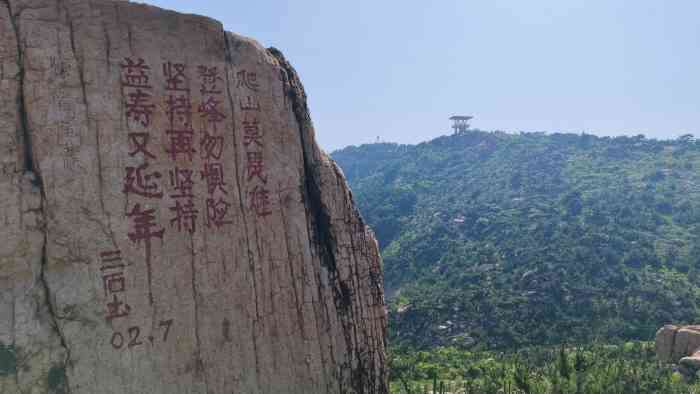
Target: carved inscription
256,174
140,181
168,167
132,336
212,146
136,84
114,284
180,146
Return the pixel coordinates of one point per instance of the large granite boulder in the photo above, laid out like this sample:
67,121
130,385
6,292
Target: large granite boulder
665,342
169,224
679,344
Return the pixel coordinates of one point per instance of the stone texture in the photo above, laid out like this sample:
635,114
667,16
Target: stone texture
664,343
687,341
692,363
676,342
276,294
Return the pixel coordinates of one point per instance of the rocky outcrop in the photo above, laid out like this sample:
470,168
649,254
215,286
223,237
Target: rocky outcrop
679,344
169,223
665,343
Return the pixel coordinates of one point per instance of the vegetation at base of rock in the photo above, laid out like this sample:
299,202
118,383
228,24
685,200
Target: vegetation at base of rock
493,240
8,360
593,369
58,383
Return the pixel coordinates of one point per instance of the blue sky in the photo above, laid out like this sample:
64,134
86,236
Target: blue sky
398,69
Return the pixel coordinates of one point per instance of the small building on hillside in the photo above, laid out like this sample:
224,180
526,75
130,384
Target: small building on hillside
460,123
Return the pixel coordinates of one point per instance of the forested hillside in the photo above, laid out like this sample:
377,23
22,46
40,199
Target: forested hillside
494,240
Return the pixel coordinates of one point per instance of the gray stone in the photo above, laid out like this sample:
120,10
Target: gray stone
169,223
675,342
691,362
665,340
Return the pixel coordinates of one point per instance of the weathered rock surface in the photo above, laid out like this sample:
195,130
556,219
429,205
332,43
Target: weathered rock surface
664,343
678,344
169,224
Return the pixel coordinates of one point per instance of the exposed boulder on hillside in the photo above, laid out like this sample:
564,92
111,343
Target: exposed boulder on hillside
169,224
679,344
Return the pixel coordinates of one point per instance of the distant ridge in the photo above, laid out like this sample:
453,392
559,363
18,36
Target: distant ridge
493,239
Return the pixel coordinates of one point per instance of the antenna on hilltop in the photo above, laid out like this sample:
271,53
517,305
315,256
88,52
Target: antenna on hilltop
460,123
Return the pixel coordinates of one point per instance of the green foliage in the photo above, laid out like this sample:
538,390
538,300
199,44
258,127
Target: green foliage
494,240
58,383
8,360
592,369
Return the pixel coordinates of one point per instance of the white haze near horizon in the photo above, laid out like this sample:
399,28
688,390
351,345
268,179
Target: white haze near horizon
396,70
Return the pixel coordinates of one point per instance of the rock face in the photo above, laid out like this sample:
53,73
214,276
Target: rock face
169,224
679,344
665,342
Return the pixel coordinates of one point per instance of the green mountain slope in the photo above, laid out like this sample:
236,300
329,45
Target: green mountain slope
497,240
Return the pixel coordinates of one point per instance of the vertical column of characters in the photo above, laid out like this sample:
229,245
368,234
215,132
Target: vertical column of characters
211,146
67,135
114,286
180,136
256,177
139,180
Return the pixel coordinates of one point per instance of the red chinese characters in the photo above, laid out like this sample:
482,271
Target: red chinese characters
210,112
217,210
184,211
137,91
143,229
212,146
144,226
251,132
175,79
139,142
214,175
140,180
180,146
209,78
180,133
256,174
260,200
255,166
180,143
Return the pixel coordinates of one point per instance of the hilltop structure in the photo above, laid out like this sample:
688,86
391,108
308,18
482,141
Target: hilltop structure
460,123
